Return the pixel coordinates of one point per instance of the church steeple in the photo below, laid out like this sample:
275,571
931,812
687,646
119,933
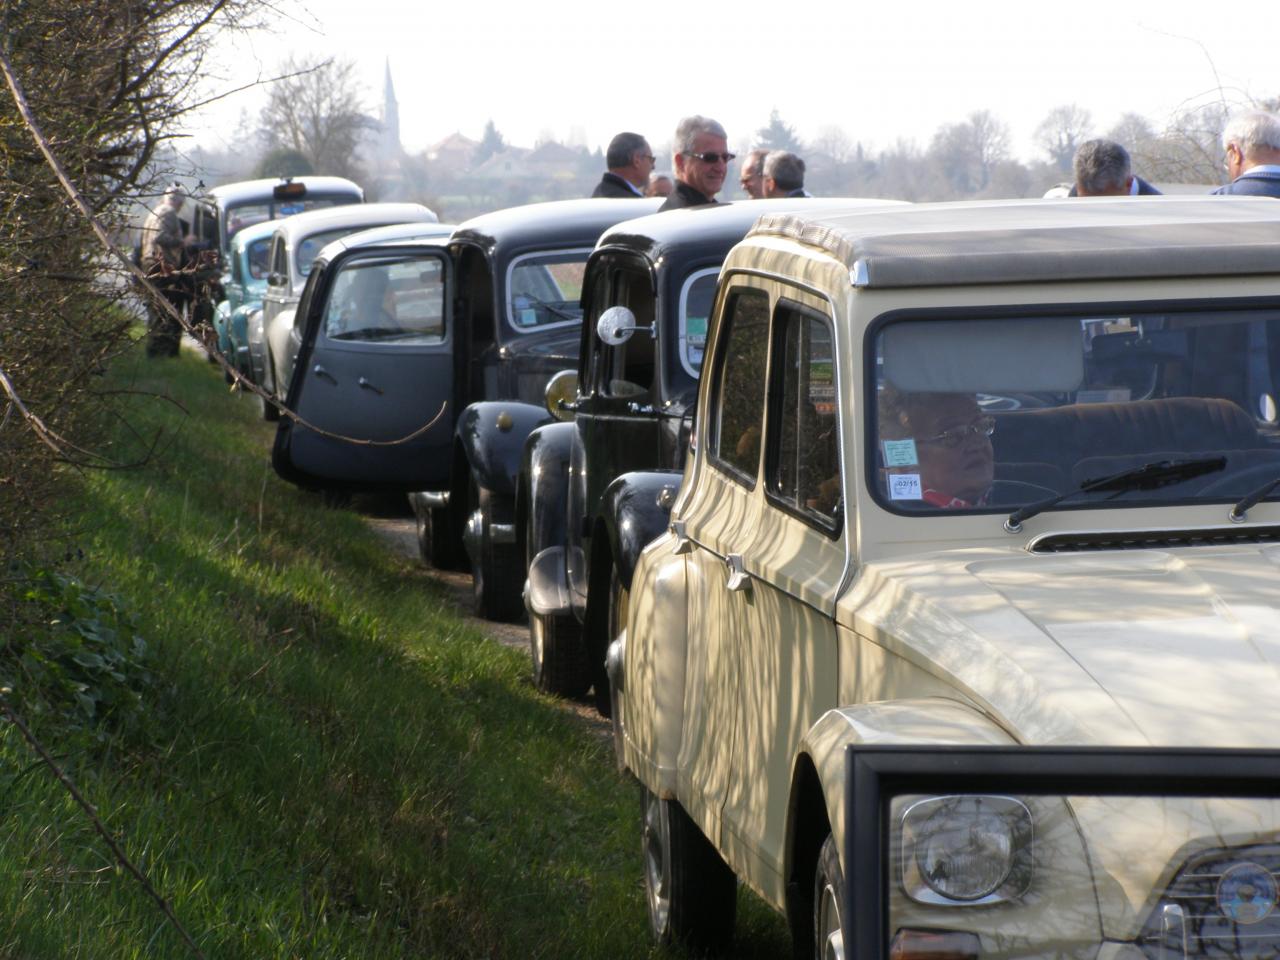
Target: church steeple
390,115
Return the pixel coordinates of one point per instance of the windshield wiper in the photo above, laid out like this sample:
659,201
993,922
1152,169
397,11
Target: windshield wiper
560,312
1245,505
1149,476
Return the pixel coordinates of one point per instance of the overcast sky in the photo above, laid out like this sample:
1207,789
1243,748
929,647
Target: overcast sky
581,71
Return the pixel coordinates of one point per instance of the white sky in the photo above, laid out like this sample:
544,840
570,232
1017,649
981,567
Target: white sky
581,71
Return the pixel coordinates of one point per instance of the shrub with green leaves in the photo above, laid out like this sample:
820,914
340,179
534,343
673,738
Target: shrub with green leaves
76,653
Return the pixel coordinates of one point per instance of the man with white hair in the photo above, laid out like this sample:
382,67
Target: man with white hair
1252,144
163,237
702,162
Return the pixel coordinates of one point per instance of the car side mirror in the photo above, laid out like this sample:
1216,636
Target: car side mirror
275,279
562,394
616,326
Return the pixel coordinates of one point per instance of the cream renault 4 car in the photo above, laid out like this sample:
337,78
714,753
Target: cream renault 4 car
971,474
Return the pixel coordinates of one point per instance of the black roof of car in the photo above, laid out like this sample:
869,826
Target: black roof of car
559,223
695,232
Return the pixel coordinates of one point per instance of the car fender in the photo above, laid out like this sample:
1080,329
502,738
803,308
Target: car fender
491,435
636,509
540,515
221,326
238,335
651,658
928,720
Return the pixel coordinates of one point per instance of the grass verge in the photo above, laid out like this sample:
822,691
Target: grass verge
325,762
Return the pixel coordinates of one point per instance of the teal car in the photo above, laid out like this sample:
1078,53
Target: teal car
245,282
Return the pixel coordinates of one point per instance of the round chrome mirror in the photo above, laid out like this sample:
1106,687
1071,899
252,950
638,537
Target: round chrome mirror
562,394
616,325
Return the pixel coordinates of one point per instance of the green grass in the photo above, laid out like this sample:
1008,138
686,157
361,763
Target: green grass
327,761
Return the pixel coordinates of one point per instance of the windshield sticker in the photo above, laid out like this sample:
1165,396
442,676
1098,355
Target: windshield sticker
904,486
528,317
900,453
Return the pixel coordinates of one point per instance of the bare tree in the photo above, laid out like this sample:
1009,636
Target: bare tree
1062,131
317,110
966,153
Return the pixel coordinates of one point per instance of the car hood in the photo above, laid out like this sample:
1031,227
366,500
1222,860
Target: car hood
1118,648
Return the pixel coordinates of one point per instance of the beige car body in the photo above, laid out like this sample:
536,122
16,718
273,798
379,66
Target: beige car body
941,629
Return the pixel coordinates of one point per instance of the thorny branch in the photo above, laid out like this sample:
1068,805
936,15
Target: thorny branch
33,127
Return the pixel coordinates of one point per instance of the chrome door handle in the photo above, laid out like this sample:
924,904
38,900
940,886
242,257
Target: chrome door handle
366,385
739,580
320,371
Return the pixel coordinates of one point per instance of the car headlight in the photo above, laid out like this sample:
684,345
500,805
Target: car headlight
963,850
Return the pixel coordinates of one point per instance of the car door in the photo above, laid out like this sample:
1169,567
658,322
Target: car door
374,383
616,420
719,521
782,620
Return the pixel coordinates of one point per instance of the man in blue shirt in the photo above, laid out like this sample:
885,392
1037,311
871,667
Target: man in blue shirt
1252,143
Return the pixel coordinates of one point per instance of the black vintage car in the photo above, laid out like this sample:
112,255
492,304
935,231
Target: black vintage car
492,314
597,487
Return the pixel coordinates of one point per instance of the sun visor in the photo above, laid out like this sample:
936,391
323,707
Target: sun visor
984,356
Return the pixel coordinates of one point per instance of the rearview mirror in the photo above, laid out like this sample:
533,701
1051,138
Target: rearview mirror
616,325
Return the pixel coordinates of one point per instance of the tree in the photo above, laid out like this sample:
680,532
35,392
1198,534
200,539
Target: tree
967,152
778,135
103,85
284,162
491,142
1061,132
316,109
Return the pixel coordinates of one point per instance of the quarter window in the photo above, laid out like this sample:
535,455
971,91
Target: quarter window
804,464
737,409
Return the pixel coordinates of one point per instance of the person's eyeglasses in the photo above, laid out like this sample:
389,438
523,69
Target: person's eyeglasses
711,157
748,177
983,426
650,157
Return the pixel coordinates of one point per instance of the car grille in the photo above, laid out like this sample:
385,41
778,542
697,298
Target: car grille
1221,903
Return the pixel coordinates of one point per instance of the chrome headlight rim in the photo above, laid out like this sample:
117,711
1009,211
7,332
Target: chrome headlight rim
921,822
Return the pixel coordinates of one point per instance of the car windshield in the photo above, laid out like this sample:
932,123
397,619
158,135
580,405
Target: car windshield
247,214
309,248
387,299
1062,412
545,289
258,260
696,298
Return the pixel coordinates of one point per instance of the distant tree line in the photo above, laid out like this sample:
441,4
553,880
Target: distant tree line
315,121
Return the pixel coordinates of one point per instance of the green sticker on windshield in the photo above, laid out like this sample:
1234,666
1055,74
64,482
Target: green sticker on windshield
696,325
900,453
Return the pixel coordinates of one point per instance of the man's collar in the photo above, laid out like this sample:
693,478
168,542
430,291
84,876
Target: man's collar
621,179
1262,170
692,193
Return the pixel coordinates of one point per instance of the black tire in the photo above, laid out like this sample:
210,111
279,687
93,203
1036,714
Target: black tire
497,572
691,892
828,901
436,545
556,646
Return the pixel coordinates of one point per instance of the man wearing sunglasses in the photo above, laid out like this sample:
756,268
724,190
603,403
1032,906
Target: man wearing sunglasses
630,162
702,162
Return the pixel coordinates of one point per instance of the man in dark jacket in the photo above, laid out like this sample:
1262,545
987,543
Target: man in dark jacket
784,175
702,162
1102,169
630,162
1252,144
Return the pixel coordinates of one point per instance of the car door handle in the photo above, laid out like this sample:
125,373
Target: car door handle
366,385
739,580
320,371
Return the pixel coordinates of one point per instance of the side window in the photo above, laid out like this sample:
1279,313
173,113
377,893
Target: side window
629,367
737,403
803,463
388,301
280,259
